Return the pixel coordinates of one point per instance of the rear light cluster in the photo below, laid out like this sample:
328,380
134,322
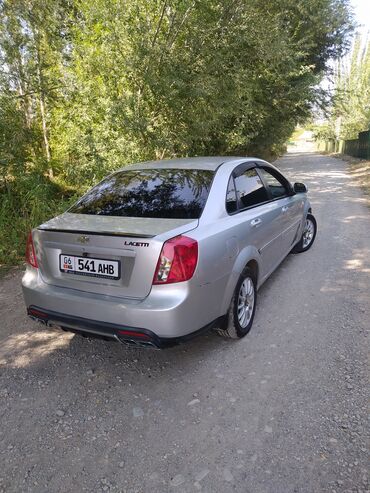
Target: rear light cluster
30,252
177,261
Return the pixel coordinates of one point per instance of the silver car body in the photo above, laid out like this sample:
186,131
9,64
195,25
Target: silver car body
262,236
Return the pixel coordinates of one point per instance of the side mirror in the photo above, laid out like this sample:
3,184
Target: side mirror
299,188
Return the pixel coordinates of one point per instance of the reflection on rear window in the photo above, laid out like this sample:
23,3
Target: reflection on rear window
162,193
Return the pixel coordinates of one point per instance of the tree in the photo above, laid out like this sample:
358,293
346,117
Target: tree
158,78
351,103
32,49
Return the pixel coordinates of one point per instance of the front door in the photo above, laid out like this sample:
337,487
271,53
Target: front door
259,218
287,205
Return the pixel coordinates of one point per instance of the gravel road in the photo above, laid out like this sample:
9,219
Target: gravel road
283,410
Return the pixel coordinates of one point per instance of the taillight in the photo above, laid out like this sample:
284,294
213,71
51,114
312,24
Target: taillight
30,252
177,261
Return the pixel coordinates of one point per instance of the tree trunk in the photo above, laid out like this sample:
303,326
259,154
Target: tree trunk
22,90
42,105
44,126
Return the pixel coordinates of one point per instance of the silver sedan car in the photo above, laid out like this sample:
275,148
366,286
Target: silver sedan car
160,251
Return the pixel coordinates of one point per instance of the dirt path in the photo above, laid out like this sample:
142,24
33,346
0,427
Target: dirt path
281,411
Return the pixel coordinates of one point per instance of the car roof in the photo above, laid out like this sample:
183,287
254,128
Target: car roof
207,163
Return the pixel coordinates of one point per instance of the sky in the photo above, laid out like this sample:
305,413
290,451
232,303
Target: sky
362,13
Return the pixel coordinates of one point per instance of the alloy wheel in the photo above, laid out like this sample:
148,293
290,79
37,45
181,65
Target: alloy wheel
245,302
308,233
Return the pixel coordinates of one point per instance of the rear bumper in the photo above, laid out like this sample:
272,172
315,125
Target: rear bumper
130,336
168,312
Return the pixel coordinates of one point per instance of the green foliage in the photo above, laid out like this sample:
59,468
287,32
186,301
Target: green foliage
87,87
16,139
27,201
323,131
352,98
350,111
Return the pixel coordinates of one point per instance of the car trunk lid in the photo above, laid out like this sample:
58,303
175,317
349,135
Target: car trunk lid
135,243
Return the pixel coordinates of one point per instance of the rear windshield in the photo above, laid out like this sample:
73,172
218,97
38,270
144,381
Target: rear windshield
162,193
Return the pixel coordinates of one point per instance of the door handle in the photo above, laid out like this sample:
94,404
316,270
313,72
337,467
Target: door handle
255,222
284,208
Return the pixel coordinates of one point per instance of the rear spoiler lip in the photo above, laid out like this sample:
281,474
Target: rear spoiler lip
98,233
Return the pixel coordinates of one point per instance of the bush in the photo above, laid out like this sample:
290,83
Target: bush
26,202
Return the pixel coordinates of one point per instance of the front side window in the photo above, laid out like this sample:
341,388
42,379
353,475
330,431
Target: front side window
275,186
160,193
250,189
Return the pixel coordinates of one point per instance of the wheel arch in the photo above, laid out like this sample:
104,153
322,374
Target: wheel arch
254,267
248,257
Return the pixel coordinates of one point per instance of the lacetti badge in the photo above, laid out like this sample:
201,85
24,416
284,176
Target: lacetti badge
136,243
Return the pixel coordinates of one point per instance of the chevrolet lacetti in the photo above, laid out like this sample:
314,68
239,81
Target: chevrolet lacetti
159,251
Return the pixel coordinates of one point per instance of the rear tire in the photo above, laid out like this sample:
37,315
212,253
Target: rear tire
308,235
242,308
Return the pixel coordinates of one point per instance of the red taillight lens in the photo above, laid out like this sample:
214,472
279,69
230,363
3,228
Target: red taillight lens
177,261
30,252
36,313
132,333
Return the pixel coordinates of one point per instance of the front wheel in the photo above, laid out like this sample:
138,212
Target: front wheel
242,307
308,235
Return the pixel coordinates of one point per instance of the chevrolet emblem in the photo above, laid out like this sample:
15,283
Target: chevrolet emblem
83,239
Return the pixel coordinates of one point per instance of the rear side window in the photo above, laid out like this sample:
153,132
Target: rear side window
231,201
160,193
250,189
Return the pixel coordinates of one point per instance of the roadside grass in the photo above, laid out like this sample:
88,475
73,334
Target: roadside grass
25,202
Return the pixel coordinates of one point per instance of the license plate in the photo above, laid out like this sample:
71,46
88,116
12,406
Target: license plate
92,267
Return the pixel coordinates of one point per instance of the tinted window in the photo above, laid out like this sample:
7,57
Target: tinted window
250,189
231,203
276,187
163,193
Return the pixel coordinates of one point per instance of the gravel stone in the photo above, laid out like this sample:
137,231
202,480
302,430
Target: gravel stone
137,412
194,401
227,475
201,475
177,480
